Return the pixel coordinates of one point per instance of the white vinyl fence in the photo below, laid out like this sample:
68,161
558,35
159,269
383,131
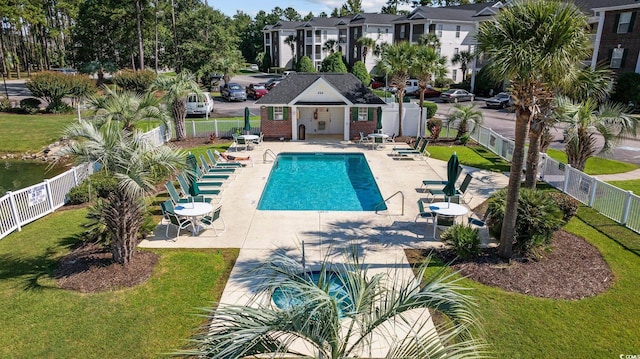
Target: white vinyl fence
219,128
620,205
23,206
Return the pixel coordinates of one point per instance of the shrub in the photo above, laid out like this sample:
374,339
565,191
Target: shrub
431,108
465,240
464,139
465,85
81,86
50,86
98,185
567,204
5,104
265,65
434,126
443,82
305,65
333,63
30,105
537,219
627,88
360,71
135,81
59,107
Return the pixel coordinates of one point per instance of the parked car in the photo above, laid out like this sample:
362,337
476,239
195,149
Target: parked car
256,91
272,83
412,88
200,105
233,92
456,95
65,70
288,72
501,100
376,84
254,67
431,92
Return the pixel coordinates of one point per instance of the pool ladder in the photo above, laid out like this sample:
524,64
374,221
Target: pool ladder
388,198
269,153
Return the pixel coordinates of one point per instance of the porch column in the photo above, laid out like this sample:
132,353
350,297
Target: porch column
294,123
347,124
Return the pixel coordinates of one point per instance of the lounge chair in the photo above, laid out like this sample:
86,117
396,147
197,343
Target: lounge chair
210,220
420,151
231,160
223,165
202,183
203,172
409,148
175,197
195,190
426,183
168,212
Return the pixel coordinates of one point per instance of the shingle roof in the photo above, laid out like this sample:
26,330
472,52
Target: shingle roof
442,13
373,18
284,25
295,83
593,4
321,22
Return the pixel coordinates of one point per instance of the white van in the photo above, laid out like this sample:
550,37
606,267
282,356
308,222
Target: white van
201,105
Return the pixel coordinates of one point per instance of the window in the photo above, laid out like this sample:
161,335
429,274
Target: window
456,50
363,113
458,32
454,75
616,58
324,34
624,21
402,31
267,36
308,33
439,30
318,52
278,113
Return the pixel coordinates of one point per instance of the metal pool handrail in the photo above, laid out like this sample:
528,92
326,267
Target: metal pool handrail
388,198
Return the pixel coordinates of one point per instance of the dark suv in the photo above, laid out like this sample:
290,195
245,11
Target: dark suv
233,92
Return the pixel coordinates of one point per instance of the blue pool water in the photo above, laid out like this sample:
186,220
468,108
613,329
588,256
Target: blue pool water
286,298
321,181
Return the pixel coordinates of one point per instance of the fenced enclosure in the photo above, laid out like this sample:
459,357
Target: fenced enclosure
20,207
619,205
220,128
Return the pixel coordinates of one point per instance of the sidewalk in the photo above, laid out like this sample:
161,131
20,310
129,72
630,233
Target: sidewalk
631,175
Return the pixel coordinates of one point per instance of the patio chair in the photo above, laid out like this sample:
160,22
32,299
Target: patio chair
175,197
221,164
195,190
480,222
210,220
391,139
426,183
378,141
422,213
364,140
168,212
202,183
460,192
241,142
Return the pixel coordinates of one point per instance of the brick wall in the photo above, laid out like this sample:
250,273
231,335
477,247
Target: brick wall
273,130
365,126
629,41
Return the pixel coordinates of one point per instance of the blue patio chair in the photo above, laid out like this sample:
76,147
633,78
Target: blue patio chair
168,212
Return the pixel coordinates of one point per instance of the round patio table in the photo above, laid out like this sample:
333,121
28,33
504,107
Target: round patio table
193,210
446,209
374,136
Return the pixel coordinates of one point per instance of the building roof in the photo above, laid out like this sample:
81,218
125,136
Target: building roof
594,4
373,18
296,83
321,22
453,13
284,25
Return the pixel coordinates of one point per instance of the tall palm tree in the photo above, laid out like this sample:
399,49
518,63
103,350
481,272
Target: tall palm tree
366,43
330,46
291,41
465,114
396,62
528,43
342,323
426,65
128,108
228,63
463,58
176,89
137,165
579,84
429,39
585,121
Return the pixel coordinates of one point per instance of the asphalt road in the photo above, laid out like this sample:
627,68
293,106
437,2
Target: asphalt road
501,121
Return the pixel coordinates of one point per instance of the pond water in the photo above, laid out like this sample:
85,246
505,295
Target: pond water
17,174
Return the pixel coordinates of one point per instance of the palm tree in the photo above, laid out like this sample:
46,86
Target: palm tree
396,62
426,65
466,114
528,44
330,46
176,89
128,108
136,163
291,41
366,43
341,323
585,121
228,64
463,58
429,39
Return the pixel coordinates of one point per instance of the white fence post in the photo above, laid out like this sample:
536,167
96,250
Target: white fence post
14,210
626,207
592,195
565,186
193,128
47,185
215,126
543,168
75,175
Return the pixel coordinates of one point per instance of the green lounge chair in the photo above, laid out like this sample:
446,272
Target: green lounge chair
460,192
410,148
225,165
194,189
176,199
426,183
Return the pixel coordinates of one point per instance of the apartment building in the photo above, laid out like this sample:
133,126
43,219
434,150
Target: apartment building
312,37
377,27
275,45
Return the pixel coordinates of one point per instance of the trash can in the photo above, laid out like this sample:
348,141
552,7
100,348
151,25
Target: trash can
301,132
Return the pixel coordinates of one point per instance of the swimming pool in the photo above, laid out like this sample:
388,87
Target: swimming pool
321,181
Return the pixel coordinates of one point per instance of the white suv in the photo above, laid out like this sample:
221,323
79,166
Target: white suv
412,88
201,105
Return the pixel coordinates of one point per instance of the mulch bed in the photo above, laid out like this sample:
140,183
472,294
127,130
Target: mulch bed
90,269
571,269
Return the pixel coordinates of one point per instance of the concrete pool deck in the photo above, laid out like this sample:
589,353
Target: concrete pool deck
380,237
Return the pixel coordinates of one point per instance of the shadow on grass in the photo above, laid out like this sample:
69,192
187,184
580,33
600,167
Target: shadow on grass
497,163
625,237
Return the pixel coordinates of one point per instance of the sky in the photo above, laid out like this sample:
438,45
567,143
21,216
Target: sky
251,7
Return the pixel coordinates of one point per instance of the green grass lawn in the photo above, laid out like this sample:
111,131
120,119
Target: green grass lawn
604,326
629,185
40,320
22,133
475,156
596,165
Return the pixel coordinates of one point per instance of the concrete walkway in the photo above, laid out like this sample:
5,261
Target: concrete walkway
380,237
631,175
